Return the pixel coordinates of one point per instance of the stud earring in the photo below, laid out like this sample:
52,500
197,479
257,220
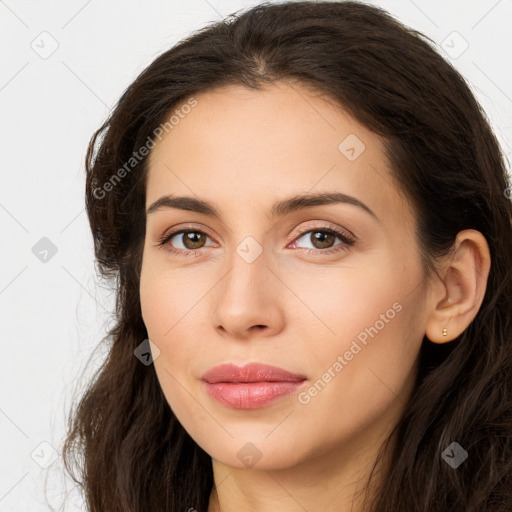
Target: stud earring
444,332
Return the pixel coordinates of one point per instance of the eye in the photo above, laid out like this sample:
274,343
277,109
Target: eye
322,239
190,241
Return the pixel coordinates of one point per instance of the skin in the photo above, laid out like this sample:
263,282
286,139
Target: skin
241,150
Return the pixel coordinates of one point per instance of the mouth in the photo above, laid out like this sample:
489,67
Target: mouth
252,386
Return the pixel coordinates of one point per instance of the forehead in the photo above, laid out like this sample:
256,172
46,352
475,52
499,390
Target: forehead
261,145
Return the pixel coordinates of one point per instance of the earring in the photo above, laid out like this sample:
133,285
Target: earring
444,332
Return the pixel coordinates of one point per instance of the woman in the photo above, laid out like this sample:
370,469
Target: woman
307,215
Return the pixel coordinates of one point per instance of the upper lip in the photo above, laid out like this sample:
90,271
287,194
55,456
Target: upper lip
253,372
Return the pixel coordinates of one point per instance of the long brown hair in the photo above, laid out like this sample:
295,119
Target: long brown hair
129,449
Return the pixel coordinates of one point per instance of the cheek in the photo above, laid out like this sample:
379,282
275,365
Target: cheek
166,315
175,322
156,307
359,387
164,312
339,303
169,297
371,332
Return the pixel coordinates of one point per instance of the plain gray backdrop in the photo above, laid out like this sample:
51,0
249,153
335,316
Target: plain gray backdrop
64,65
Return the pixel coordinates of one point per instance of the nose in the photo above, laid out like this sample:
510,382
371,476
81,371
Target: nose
248,299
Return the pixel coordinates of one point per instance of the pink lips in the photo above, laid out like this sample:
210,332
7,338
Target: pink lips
250,387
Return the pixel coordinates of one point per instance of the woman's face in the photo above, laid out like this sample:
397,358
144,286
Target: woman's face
276,285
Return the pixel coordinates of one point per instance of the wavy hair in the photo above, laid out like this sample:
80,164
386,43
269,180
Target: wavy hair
124,446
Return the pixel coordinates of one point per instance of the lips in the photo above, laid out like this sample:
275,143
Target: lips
254,372
251,387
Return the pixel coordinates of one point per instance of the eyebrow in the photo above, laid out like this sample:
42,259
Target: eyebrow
279,208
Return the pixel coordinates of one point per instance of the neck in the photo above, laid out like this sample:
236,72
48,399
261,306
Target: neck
330,481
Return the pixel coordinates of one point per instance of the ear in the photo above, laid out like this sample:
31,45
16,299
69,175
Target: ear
455,299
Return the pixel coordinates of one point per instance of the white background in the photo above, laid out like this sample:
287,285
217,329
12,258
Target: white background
55,313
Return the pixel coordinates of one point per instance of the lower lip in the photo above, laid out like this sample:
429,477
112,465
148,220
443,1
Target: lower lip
250,395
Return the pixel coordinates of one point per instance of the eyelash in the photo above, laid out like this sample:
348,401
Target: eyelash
347,241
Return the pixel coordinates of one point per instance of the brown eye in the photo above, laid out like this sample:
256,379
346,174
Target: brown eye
193,239
190,240
322,239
